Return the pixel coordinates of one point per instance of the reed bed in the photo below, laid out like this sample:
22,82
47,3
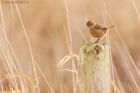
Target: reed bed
44,47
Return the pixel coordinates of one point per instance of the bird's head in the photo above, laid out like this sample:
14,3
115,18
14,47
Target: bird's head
90,23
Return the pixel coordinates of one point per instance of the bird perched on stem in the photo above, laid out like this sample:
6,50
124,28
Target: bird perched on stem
96,30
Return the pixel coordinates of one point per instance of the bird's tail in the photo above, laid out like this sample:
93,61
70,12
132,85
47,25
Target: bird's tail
111,27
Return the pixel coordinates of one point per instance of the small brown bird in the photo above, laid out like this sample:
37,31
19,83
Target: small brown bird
96,30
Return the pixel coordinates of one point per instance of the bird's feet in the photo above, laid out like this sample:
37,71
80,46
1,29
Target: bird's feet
97,41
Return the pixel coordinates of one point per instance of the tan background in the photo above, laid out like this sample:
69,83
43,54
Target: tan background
44,21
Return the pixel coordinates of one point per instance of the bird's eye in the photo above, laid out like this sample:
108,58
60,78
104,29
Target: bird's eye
89,23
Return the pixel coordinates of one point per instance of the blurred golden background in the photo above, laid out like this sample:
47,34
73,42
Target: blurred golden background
45,22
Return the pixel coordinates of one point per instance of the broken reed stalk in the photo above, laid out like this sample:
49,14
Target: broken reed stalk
95,68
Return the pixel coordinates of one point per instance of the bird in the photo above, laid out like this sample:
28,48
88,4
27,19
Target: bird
97,30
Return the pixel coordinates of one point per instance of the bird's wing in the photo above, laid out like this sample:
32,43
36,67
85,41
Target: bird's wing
98,27
104,29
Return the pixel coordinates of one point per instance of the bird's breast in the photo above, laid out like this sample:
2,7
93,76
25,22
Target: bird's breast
96,33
